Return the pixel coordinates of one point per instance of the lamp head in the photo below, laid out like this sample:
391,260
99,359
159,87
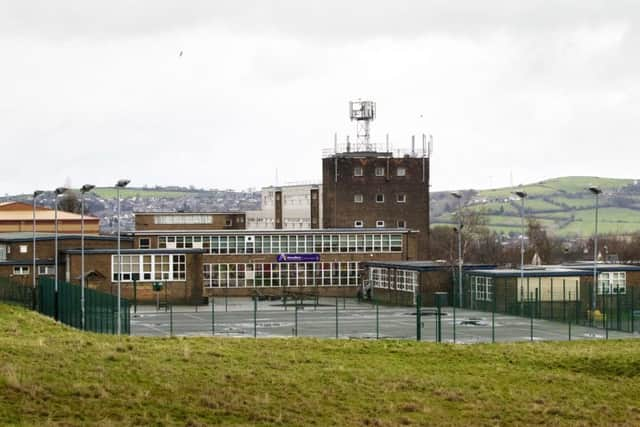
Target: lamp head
122,183
595,190
520,194
87,187
37,193
456,194
60,190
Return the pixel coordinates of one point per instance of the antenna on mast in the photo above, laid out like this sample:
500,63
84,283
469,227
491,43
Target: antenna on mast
363,113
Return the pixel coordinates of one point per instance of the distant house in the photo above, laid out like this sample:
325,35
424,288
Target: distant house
17,217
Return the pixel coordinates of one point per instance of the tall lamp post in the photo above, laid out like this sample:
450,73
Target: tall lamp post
85,189
458,230
596,192
120,184
57,192
522,196
33,272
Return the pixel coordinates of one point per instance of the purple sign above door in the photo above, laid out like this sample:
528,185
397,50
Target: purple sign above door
298,257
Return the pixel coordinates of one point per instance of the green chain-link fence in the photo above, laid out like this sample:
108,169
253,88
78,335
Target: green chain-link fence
17,293
101,310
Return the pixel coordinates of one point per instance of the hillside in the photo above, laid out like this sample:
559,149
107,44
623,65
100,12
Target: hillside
52,375
563,205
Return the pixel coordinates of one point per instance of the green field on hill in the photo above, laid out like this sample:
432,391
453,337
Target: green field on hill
563,205
52,375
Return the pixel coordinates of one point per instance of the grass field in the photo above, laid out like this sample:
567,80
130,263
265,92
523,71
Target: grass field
571,184
51,375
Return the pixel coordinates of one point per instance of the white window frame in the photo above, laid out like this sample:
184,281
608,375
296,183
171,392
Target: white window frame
144,246
358,223
482,288
401,171
20,270
380,201
358,171
23,249
143,264
46,270
401,198
379,223
612,283
379,171
358,198
401,223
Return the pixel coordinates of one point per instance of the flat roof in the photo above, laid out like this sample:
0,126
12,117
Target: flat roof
189,213
44,261
27,236
134,251
527,272
422,265
278,231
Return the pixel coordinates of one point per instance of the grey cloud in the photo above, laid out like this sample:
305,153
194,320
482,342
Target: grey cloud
336,20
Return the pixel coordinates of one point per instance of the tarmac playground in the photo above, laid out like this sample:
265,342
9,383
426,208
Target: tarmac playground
351,319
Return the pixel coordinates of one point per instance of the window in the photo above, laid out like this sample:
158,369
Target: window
401,171
402,223
24,249
228,222
379,171
281,274
379,224
153,267
614,282
46,270
401,198
144,243
482,288
380,198
20,270
358,223
357,171
183,219
358,198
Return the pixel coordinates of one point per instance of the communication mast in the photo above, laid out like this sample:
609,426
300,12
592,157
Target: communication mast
363,112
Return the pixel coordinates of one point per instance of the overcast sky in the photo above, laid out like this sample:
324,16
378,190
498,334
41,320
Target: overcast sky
94,91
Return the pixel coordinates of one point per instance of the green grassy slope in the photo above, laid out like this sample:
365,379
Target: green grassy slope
51,375
563,205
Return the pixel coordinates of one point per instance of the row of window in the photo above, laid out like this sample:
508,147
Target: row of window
150,268
404,280
43,270
276,244
281,274
379,171
400,198
358,223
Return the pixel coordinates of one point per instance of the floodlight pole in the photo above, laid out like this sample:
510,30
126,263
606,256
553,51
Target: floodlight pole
58,191
460,289
522,196
85,188
596,192
120,184
33,248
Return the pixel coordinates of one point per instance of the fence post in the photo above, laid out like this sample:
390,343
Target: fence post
454,311
493,320
255,316
419,317
336,317
213,315
295,315
564,300
531,316
618,314
377,320
569,329
551,300
605,317
632,310
171,320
